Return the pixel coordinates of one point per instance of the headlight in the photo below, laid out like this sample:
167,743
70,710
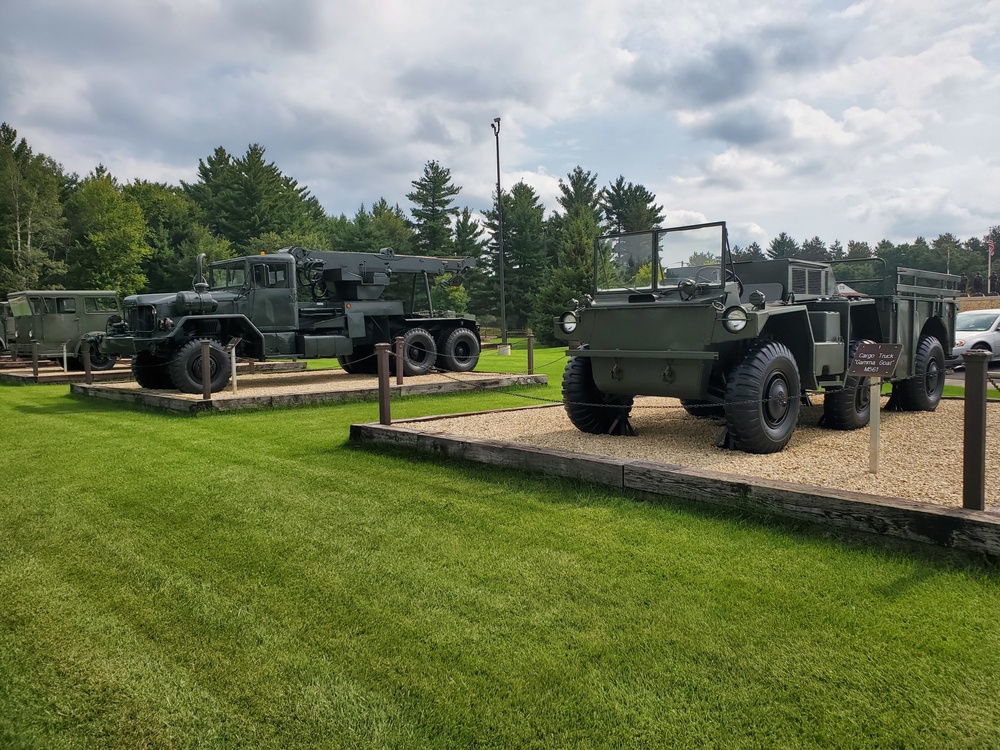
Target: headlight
568,322
734,319
960,342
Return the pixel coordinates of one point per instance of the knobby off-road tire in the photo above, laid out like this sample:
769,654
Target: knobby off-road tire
923,391
460,351
361,362
419,352
762,399
185,367
848,408
151,371
590,409
703,409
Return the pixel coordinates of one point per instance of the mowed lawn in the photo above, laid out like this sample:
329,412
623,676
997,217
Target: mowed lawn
250,580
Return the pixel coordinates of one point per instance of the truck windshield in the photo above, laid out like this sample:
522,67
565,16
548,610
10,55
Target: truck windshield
690,254
626,262
226,276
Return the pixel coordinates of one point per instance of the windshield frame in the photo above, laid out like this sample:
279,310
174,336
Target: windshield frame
647,258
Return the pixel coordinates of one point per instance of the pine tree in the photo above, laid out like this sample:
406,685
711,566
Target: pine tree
630,208
432,196
783,246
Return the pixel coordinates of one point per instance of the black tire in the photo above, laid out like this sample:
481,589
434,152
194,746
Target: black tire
703,409
460,351
762,399
419,352
361,362
185,367
151,371
589,409
922,392
100,361
848,408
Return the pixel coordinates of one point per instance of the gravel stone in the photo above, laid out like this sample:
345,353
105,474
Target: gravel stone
920,456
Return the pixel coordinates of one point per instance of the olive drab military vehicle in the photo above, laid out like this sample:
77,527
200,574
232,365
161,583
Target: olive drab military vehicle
673,315
8,334
296,303
64,323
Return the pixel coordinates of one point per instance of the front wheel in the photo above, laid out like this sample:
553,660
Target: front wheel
923,391
186,367
589,408
151,371
101,361
762,399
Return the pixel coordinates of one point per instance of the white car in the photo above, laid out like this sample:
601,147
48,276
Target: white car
977,329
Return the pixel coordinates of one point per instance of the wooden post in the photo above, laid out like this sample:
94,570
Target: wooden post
232,354
382,353
88,375
531,352
34,359
206,370
875,423
974,452
399,360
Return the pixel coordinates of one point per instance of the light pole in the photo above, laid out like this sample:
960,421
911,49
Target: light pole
503,300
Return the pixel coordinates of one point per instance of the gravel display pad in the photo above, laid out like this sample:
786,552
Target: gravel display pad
920,458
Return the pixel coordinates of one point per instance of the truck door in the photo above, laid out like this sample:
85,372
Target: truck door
272,295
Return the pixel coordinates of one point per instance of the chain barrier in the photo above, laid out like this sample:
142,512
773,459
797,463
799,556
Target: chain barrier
542,399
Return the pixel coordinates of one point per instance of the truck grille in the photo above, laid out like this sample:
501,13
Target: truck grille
140,319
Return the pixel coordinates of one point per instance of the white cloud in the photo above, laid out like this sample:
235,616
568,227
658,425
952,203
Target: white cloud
799,116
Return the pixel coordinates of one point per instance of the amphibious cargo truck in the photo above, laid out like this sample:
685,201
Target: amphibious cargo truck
673,315
64,323
295,303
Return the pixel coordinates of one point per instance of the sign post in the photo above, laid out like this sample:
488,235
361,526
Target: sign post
875,361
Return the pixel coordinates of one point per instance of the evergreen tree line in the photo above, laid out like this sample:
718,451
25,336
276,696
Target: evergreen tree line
58,230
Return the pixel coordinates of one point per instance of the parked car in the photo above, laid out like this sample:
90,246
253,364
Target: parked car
976,329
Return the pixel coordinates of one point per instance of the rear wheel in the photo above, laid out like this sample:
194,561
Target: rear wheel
590,409
419,352
922,392
186,367
848,408
762,399
460,351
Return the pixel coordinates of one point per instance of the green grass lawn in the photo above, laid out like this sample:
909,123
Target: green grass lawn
250,580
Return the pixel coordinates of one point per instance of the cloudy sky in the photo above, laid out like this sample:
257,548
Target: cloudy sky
846,120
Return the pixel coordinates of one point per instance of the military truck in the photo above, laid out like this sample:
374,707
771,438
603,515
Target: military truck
64,323
673,315
296,303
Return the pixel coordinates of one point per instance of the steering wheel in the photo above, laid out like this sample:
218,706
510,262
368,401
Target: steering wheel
702,275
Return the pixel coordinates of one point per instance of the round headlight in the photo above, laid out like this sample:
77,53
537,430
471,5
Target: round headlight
734,319
568,322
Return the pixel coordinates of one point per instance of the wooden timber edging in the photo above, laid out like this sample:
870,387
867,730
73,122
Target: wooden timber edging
955,528
172,401
49,375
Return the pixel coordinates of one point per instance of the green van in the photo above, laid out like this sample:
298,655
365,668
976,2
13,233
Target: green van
60,321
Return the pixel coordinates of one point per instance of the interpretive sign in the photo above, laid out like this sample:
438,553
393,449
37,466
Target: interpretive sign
873,360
